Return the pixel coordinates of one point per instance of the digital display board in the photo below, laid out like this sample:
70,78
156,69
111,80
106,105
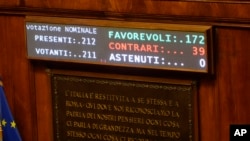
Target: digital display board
119,43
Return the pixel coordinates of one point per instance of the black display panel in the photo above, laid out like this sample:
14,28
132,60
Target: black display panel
116,43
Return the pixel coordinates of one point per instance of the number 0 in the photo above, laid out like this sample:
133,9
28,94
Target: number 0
202,63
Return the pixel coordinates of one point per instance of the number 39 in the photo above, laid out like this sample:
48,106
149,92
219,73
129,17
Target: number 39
198,51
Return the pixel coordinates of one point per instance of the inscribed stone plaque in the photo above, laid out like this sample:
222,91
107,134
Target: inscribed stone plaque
96,108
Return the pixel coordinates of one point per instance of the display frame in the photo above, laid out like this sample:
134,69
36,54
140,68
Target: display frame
207,30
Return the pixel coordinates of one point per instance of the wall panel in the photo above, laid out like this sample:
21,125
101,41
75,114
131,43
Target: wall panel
15,71
43,104
225,10
9,2
67,4
224,101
